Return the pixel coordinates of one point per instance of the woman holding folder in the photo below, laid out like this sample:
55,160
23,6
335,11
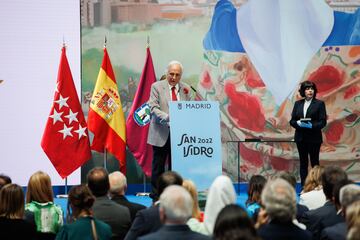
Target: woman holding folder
308,118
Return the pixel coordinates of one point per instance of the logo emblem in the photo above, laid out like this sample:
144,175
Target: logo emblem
179,105
142,115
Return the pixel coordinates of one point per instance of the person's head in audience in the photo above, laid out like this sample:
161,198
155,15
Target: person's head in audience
39,188
331,175
81,200
353,233
231,219
98,181
279,200
168,178
175,205
256,185
313,179
353,220
12,202
190,186
290,178
336,192
4,179
118,184
221,193
349,194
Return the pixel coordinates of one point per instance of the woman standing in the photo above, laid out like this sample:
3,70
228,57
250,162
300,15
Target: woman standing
308,118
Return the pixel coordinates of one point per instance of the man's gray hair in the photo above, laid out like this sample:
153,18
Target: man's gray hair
175,62
279,199
117,182
348,194
176,203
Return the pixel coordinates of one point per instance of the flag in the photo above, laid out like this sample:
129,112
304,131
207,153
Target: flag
106,117
65,139
139,116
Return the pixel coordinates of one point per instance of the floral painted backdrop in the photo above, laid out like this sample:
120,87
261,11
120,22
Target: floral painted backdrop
249,111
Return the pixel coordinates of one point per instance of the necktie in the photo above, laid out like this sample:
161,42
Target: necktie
173,94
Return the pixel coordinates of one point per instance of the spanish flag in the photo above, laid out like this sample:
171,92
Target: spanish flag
106,118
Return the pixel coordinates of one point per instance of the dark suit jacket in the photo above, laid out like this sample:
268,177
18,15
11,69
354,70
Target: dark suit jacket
133,207
118,217
318,219
281,231
146,221
317,113
175,232
300,210
335,232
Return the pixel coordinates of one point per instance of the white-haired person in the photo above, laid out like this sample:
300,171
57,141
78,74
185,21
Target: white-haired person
176,207
118,186
279,210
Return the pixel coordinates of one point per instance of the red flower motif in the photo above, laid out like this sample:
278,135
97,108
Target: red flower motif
245,108
334,132
351,91
326,78
186,91
206,81
253,80
251,156
351,118
280,164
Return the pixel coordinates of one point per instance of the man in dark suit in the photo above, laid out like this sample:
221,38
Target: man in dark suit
345,194
148,220
279,200
308,118
117,216
318,219
161,93
118,186
176,206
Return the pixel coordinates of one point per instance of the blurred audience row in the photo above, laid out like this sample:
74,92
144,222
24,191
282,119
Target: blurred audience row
327,208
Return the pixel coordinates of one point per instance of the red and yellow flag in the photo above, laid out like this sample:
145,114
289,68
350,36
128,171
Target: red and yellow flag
106,117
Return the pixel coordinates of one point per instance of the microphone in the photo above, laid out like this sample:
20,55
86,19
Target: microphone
198,97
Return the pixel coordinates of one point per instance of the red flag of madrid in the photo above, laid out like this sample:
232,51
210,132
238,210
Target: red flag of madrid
65,140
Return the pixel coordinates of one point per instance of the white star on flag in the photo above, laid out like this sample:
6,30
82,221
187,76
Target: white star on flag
81,131
56,116
72,117
66,131
62,102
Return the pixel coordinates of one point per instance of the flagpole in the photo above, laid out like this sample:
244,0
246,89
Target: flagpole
66,186
105,159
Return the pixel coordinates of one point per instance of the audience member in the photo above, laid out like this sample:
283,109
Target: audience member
300,209
175,209
195,222
118,186
117,216
12,223
353,221
338,230
148,220
4,179
231,221
318,219
313,195
85,226
256,185
221,193
40,207
279,201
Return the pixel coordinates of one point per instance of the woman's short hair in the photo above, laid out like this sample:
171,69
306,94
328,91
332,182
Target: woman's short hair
39,188
12,201
81,198
232,217
305,85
